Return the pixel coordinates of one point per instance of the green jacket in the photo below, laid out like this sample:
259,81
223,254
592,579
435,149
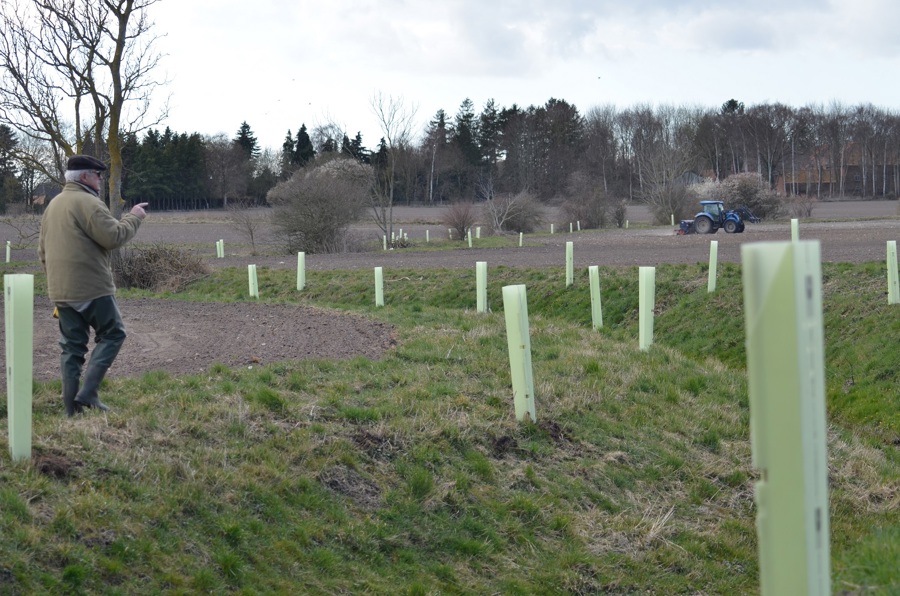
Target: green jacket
78,234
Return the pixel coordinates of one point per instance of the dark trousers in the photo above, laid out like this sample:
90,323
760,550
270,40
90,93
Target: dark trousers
103,316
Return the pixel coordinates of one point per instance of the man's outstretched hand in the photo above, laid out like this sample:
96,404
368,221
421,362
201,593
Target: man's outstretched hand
138,210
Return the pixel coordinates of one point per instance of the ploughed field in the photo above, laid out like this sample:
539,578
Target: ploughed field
186,338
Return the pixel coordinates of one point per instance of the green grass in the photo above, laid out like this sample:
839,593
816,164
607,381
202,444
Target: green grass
410,475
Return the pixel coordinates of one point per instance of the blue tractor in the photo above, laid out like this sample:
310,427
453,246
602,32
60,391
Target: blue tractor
715,216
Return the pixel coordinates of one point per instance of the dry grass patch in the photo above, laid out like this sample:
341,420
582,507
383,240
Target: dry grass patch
161,268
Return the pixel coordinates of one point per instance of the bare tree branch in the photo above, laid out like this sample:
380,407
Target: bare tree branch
396,120
78,73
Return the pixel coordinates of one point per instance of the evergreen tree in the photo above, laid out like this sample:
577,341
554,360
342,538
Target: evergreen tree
563,133
303,148
732,106
329,146
287,156
10,187
437,132
516,144
381,163
8,144
130,146
489,128
246,140
358,150
167,170
185,157
380,156
435,149
465,155
465,132
148,170
262,182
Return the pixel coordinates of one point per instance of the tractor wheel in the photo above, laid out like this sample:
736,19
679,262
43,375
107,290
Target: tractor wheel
703,225
731,226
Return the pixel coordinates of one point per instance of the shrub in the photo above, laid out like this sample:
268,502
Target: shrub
314,208
620,213
748,190
803,205
400,242
521,212
158,268
459,217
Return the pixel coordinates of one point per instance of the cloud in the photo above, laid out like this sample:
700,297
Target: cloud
277,63
722,31
864,28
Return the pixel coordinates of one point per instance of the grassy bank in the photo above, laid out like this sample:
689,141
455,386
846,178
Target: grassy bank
410,474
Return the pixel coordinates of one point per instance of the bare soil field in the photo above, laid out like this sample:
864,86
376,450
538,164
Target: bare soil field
850,231
186,338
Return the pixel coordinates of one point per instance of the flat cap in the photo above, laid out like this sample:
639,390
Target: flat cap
85,162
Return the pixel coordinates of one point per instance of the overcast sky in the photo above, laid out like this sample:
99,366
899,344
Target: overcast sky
279,63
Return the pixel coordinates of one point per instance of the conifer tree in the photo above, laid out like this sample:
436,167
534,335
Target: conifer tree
9,183
287,155
304,152
358,150
246,140
437,138
465,133
489,128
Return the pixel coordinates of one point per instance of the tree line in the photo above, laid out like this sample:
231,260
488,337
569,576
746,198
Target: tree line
639,154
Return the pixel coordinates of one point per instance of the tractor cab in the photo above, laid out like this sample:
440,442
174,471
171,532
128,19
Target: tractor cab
715,209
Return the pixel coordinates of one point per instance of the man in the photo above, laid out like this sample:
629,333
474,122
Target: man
78,234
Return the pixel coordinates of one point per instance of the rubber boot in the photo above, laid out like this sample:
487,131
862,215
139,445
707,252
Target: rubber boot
88,396
69,391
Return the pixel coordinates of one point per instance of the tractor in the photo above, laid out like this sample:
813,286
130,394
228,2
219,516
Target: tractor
714,216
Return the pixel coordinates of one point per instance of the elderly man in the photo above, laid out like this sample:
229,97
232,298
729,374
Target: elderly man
78,234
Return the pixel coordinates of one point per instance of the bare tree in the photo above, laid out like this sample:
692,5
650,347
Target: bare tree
247,221
666,159
268,160
27,227
327,137
30,153
836,134
520,212
396,121
585,201
226,165
78,74
600,144
768,126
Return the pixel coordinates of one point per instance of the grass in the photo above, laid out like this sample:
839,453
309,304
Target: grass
409,474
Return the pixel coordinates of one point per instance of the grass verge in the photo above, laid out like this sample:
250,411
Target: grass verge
410,475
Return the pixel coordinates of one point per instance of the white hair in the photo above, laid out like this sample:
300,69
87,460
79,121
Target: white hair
74,175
